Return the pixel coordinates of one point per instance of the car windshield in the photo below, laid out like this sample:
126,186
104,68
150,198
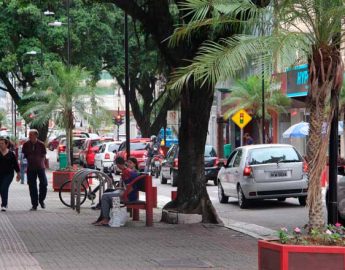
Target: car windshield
95,143
138,146
209,151
273,155
113,147
78,143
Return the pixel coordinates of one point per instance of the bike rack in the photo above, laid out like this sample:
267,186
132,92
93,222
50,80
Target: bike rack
79,178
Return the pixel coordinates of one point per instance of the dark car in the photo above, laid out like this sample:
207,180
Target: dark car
170,165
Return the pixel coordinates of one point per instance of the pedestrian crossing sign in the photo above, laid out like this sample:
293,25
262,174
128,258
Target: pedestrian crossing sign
241,118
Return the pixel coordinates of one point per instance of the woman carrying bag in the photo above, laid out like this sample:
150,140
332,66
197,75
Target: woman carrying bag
8,164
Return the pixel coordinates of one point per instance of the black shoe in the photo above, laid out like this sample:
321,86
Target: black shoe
34,208
43,205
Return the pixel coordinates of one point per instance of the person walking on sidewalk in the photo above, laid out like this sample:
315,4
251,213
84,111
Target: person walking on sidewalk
35,152
8,164
22,162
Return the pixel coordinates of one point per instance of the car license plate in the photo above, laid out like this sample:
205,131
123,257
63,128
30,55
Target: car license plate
279,174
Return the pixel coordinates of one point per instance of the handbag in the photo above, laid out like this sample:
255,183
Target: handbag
118,214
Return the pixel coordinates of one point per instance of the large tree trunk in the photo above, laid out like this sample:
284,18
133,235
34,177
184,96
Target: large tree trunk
192,196
325,69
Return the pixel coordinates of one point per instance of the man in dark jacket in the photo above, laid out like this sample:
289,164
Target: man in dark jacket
35,152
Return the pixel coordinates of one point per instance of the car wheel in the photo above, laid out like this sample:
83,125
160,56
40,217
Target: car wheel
281,199
242,200
157,173
302,200
163,179
222,198
173,178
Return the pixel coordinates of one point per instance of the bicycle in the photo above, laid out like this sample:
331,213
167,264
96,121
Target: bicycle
86,191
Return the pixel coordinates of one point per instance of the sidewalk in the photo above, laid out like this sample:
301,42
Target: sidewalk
59,238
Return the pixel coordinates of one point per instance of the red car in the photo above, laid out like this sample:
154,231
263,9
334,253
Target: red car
137,150
89,149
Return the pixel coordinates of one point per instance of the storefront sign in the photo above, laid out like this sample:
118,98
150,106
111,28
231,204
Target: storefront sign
297,81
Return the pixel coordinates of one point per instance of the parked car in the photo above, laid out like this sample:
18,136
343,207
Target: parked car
77,143
340,196
89,149
137,150
170,165
104,158
263,171
54,142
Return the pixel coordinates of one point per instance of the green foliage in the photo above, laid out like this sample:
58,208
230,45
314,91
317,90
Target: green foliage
2,118
271,34
247,94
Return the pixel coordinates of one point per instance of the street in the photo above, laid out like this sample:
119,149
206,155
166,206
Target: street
269,213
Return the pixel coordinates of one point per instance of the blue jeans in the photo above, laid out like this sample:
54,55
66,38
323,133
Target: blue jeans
23,168
32,181
5,182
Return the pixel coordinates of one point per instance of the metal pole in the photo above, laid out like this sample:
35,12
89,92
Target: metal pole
263,101
128,150
332,204
68,37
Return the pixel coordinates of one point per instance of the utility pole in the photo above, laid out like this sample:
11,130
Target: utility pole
127,89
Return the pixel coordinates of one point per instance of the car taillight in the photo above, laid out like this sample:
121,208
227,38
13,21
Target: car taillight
175,162
305,166
161,151
106,156
216,161
247,171
61,148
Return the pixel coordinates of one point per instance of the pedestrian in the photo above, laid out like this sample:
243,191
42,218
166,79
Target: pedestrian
35,152
127,176
8,164
132,163
22,162
248,139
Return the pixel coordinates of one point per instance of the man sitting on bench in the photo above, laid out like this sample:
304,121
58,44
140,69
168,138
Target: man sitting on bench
127,176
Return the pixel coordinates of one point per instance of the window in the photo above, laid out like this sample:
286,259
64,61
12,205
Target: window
273,155
113,147
237,160
138,146
230,159
209,151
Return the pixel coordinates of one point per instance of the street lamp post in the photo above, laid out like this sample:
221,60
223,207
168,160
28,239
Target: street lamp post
128,150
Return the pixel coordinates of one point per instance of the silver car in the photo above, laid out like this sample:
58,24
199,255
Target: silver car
263,171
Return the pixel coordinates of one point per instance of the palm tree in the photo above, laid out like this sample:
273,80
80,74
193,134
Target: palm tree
296,31
246,94
2,118
58,94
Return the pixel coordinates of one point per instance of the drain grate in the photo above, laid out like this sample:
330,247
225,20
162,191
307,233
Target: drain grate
183,263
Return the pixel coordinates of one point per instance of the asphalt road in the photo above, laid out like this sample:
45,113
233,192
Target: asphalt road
269,213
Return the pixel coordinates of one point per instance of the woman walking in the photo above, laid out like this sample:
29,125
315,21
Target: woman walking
8,164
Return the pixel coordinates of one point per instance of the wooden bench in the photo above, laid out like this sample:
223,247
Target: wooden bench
147,205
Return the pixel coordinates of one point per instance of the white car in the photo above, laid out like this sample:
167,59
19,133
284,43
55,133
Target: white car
263,171
104,158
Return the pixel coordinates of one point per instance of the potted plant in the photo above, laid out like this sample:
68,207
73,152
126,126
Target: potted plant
316,249
58,94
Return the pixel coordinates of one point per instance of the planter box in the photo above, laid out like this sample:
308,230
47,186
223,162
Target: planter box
60,177
276,256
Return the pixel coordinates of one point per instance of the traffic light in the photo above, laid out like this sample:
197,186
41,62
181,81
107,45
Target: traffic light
118,120
241,118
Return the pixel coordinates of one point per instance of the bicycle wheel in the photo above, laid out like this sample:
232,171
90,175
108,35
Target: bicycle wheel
65,193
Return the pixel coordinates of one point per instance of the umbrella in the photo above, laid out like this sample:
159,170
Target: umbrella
301,129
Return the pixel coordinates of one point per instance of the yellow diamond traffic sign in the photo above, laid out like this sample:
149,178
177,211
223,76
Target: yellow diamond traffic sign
241,118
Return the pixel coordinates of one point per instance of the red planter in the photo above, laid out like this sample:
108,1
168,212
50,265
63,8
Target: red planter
276,256
60,177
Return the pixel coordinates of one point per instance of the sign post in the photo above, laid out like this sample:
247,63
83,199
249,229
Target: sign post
241,118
